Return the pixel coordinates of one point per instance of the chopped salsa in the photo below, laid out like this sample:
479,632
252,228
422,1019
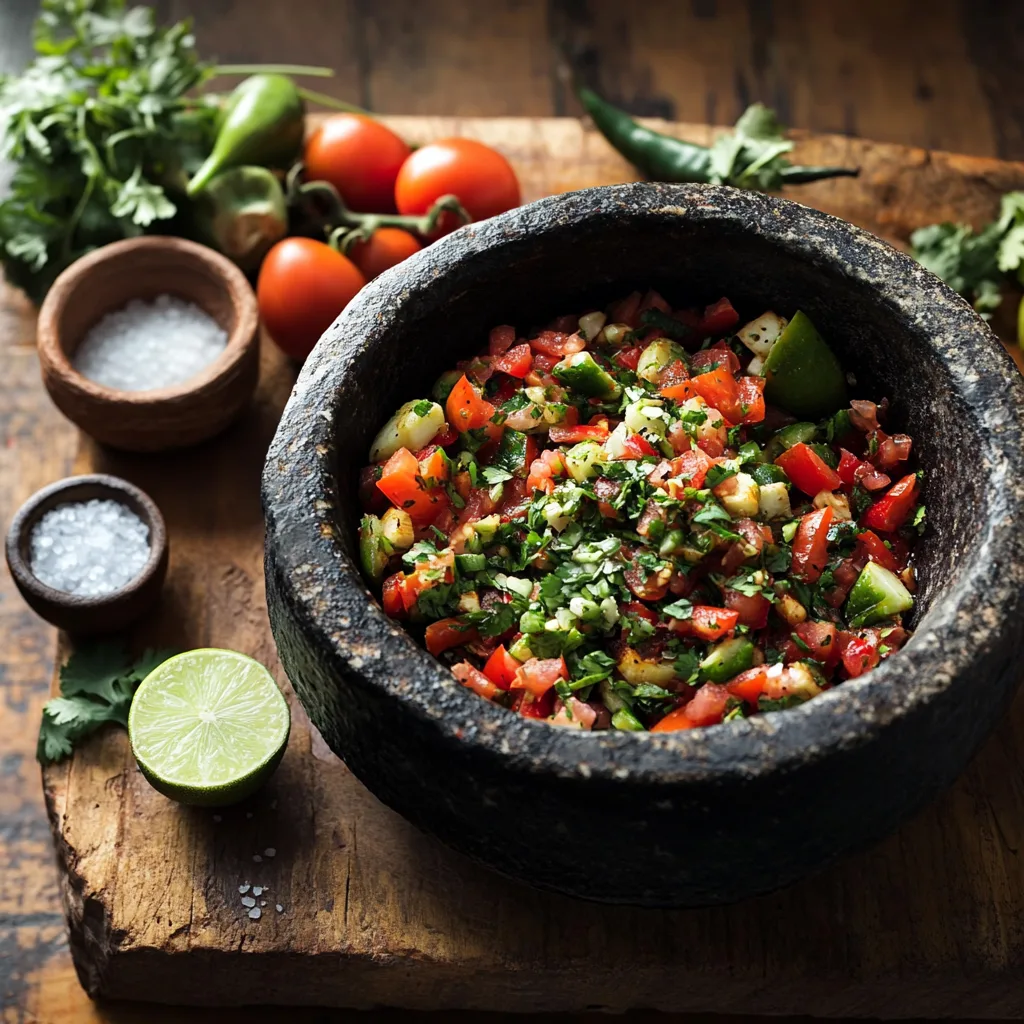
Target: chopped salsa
646,518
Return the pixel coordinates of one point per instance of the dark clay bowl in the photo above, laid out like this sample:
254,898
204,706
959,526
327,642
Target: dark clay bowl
709,815
87,616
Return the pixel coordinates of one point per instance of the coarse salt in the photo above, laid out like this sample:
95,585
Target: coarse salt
149,345
89,548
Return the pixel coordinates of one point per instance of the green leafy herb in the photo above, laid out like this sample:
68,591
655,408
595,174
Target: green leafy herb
96,686
422,407
666,324
494,475
753,154
679,609
918,519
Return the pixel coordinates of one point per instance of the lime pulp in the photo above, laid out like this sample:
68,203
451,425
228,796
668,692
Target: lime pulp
208,727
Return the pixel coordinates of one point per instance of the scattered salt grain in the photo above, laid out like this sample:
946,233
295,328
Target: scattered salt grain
245,888
150,345
255,913
248,901
257,858
89,548
270,852
263,903
257,890
279,908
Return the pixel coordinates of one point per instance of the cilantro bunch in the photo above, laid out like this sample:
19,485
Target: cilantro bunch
101,132
975,263
96,686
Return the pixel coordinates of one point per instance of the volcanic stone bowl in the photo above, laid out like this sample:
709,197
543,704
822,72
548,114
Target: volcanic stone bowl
708,815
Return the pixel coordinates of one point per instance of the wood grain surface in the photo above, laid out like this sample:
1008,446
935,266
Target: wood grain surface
952,80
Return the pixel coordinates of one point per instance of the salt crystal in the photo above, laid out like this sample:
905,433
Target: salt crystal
255,913
248,901
89,548
279,908
150,345
257,890
245,888
270,852
257,858
263,903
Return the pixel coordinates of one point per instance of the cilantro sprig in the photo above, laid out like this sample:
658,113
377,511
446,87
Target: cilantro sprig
97,684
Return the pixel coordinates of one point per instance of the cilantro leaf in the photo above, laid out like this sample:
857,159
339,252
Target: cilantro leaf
94,671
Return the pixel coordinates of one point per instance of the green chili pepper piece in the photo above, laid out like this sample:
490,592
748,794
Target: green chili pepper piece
877,595
803,374
727,659
659,156
626,721
800,175
242,213
374,549
262,124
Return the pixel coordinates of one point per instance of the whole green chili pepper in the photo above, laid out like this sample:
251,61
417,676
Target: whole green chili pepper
753,160
262,124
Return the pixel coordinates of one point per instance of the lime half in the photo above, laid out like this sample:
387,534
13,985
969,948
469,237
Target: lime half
208,727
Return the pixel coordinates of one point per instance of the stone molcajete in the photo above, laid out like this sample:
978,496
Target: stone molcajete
709,815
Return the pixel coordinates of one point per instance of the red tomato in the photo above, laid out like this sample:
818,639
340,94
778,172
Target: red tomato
398,480
555,343
806,468
386,248
718,318
501,339
644,585
810,545
543,470
890,512
536,707
447,633
302,288
538,675
680,391
391,597
626,311
674,721
360,157
752,399
706,708
820,637
501,668
636,446
476,681
434,466
719,389
573,435
480,176
466,408
629,358
859,655
718,354
752,609
706,623
516,362
873,548
748,685
848,463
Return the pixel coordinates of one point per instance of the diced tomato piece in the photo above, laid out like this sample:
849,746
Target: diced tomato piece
752,398
514,500
554,343
653,300
628,358
808,471
636,446
708,704
873,548
859,655
719,354
466,407
400,480
644,585
626,311
501,668
446,435
706,622
536,707
752,609
674,373
370,497
892,450
675,721
718,318
501,339
561,434
848,463
810,545
719,389
748,685
516,362
447,633
434,465
891,511
820,638
543,363
544,470
680,392
475,680
641,611
391,597
538,675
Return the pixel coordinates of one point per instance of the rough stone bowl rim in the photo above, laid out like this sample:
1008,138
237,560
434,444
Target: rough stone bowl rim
840,718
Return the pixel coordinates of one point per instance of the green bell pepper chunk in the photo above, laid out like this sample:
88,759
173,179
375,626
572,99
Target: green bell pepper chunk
768,473
520,649
803,374
784,439
877,595
470,563
374,549
625,720
727,659
580,373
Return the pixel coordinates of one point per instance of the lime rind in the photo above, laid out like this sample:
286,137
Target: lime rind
208,726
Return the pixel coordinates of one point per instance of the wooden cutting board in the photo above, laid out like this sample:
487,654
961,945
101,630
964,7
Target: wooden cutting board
929,923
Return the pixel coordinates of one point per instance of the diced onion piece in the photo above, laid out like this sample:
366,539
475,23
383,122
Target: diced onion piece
584,460
839,503
791,610
760,334
414,426
773,502
739,496
398,529
636,670
591,324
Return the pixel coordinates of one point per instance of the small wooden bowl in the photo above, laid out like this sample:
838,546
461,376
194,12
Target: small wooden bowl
88,615
143,268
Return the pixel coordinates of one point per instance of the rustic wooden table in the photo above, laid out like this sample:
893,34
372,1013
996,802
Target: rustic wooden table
950,80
